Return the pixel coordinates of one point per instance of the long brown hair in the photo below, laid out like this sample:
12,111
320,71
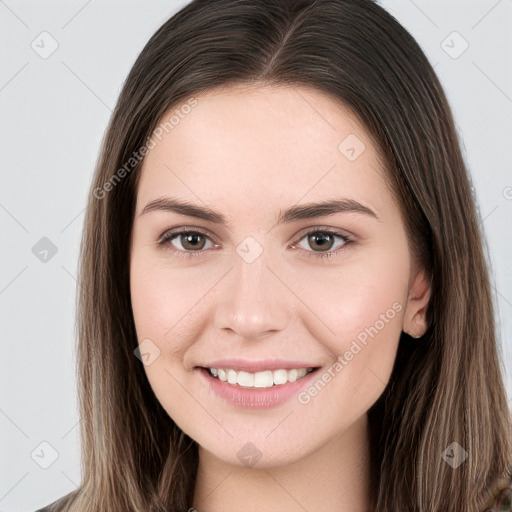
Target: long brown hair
446,387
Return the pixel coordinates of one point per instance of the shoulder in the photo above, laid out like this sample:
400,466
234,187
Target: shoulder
52,507
45,509
60,504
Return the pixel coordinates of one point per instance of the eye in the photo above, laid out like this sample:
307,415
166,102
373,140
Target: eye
192,242
323,238
186,242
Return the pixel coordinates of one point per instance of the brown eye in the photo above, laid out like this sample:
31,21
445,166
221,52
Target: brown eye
321,240
192,241
185,241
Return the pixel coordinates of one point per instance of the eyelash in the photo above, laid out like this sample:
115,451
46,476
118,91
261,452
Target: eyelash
170,235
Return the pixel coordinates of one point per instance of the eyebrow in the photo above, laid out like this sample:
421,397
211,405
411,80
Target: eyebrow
292,214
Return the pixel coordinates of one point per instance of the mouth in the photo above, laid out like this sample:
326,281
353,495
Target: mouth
259,380
264,387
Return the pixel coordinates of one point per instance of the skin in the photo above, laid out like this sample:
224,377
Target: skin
250,152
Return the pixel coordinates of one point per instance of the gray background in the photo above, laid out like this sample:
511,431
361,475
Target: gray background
54,110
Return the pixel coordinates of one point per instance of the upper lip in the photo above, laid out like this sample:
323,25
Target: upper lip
257,366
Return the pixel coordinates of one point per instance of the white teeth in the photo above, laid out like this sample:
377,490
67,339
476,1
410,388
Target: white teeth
280,377
264,379
292,375
232,376
245,379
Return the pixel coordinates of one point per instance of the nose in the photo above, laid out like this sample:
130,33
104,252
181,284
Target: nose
253,301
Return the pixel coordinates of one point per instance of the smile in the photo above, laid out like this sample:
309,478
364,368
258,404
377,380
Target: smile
256,390
263,379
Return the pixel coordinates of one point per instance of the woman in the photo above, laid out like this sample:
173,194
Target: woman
224,361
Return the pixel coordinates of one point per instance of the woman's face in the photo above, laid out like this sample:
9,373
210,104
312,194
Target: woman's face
248,287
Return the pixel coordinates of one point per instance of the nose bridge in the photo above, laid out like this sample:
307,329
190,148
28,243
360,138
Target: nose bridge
253,302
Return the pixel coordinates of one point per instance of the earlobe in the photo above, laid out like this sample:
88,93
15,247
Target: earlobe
415,317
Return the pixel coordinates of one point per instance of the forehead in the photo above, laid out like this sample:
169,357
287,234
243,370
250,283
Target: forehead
245,148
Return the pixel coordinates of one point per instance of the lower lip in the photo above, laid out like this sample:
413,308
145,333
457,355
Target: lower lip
256,398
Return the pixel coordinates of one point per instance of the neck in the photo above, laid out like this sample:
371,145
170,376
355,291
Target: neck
335,477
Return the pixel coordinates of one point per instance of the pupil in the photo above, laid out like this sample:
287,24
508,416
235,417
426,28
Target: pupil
322,236
192,239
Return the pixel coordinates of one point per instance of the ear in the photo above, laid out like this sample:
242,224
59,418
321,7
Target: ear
415,316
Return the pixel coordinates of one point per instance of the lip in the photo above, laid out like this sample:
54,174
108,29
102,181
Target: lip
256,398
257,366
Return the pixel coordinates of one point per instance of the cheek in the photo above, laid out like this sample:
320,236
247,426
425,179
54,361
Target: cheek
367,325
160,297
162,304
361,307
357,296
